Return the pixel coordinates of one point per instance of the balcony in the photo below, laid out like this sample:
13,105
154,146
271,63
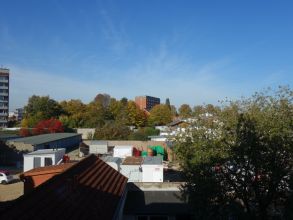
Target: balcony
4,114
3,94
4,87
4,80
3,107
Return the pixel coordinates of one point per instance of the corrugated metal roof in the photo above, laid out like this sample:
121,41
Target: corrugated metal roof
44,138
152,161
90,189
8,136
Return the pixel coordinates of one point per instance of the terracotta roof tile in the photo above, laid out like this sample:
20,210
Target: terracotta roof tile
47,169
89,189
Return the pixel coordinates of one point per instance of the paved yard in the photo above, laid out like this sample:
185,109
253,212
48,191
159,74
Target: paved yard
11,191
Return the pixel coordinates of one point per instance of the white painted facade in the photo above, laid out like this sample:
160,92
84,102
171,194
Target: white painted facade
123,151
152,169
132,172
152,173
114,162
38,158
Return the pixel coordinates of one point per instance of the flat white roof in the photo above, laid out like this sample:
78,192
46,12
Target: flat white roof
45,151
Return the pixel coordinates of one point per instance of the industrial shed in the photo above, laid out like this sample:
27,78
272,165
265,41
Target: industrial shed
46,141
98,147
41,158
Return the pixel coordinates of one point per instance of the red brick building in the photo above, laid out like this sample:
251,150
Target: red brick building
146,102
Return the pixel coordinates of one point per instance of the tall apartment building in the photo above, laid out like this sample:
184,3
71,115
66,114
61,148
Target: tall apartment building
4,96
146,102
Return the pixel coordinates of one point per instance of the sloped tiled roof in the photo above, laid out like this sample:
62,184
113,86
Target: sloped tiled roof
89,189
47,169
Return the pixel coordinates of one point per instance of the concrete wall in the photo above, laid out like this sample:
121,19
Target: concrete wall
98,148
86,133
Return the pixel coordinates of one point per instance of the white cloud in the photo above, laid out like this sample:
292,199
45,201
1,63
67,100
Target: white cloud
114,33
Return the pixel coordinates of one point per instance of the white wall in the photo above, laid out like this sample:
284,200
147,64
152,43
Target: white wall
158,138
28,160
114,165
152,173
122,151
59,155
132,172
28,163
98,149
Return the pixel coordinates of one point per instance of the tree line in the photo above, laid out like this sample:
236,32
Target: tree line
112,118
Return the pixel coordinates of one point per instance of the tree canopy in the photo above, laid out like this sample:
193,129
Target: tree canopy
40,108
238,162
185,111
160,115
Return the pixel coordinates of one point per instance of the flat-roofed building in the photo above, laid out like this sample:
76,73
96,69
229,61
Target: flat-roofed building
146,102
46,141
4,96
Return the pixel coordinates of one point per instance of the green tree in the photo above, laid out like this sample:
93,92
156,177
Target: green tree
185,111
211,109
240,162
136,116
115,107
160,115
112,131
40,108
103,99
94,115
174,111
74,113
142,134
198,110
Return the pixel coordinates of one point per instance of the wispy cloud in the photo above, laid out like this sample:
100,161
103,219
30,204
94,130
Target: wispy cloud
114,33
159,73
25,83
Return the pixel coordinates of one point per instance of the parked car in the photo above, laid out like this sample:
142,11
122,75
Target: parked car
5,177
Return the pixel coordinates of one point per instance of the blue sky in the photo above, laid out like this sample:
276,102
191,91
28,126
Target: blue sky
193,52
